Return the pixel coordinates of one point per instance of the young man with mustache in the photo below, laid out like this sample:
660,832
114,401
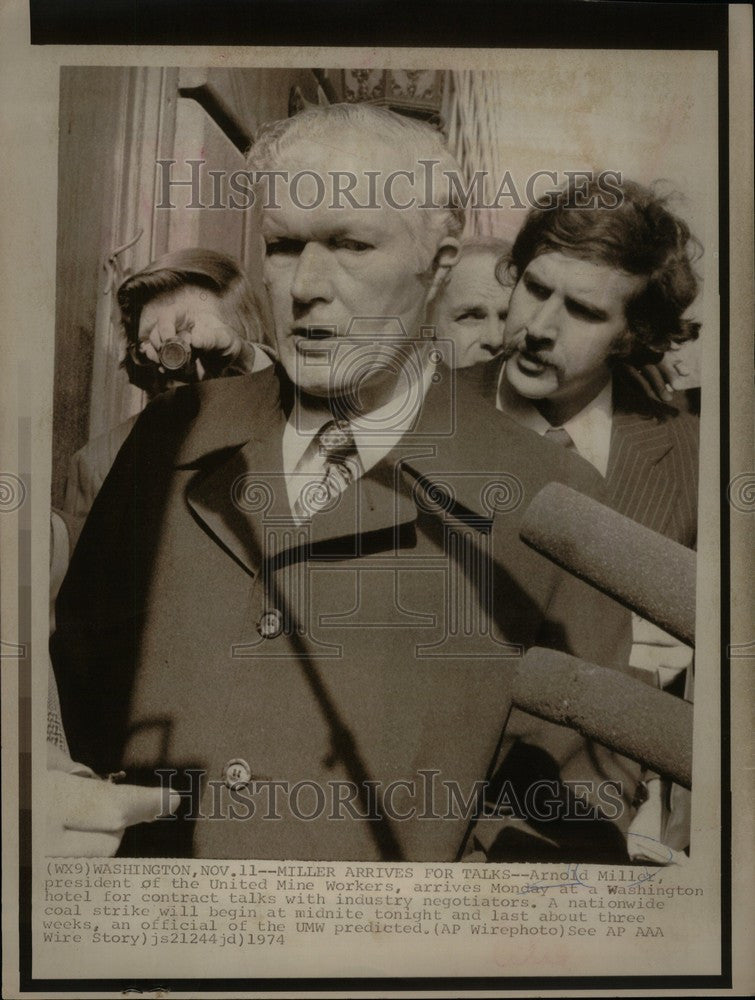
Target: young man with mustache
599,293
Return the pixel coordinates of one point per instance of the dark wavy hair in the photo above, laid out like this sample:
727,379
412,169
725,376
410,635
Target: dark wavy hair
633,231
196,267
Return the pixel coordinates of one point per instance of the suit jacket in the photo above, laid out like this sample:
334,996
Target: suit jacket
652,473
89,467
652,477
199,626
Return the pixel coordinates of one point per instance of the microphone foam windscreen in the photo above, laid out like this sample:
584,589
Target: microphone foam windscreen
641,569
622,713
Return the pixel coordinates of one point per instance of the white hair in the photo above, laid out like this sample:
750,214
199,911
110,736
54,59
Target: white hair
413,140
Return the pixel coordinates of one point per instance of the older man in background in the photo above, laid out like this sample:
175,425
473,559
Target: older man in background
469,312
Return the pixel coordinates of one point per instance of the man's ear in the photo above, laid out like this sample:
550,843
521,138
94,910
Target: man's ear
623,345
446,256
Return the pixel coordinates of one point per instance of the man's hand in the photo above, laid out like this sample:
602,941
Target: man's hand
196,318
86,817
678,369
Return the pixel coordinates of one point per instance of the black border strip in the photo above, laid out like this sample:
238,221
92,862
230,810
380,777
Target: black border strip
437,983
421,23
535,24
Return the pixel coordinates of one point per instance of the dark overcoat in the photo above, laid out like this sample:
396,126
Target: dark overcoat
363,659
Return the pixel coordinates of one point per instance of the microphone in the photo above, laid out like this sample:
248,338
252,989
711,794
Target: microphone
644,571
625,715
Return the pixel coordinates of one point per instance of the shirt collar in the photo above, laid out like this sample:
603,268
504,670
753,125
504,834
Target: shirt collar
375,433
590,429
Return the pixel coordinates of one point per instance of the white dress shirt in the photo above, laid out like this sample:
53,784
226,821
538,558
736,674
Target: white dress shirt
590,429
375,433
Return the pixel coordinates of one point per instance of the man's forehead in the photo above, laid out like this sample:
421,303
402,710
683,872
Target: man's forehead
347,147
325,221
317,208
347,181
187,292
586,276
475,272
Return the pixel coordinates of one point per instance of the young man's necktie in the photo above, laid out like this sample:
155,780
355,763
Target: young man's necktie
560,437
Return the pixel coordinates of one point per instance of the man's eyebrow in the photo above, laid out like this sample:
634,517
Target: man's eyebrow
587,306
596,311
537,278
338,232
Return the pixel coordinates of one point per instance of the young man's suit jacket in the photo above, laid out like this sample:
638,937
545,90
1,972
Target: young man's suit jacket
652,473
652,477
198,625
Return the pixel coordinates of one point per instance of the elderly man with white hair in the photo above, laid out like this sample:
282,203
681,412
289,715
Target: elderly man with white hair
300,594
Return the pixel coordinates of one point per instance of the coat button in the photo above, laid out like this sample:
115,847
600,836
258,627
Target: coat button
236,773
271,624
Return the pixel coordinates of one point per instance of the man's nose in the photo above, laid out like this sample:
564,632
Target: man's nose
537,340
312,281
492,334
542,322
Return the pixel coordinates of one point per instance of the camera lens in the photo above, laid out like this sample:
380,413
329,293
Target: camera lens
174,355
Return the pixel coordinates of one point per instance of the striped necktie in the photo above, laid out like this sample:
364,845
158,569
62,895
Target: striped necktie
560,437
335,444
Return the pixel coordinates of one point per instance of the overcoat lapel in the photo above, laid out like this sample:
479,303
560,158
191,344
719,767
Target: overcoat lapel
237,502
239,495
234,442
442,458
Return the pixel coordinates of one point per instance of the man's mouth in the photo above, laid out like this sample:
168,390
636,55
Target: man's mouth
530,364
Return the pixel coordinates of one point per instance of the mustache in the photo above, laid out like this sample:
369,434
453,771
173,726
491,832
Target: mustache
518,344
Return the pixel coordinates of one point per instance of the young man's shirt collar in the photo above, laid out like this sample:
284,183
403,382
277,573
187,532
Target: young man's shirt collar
590,429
